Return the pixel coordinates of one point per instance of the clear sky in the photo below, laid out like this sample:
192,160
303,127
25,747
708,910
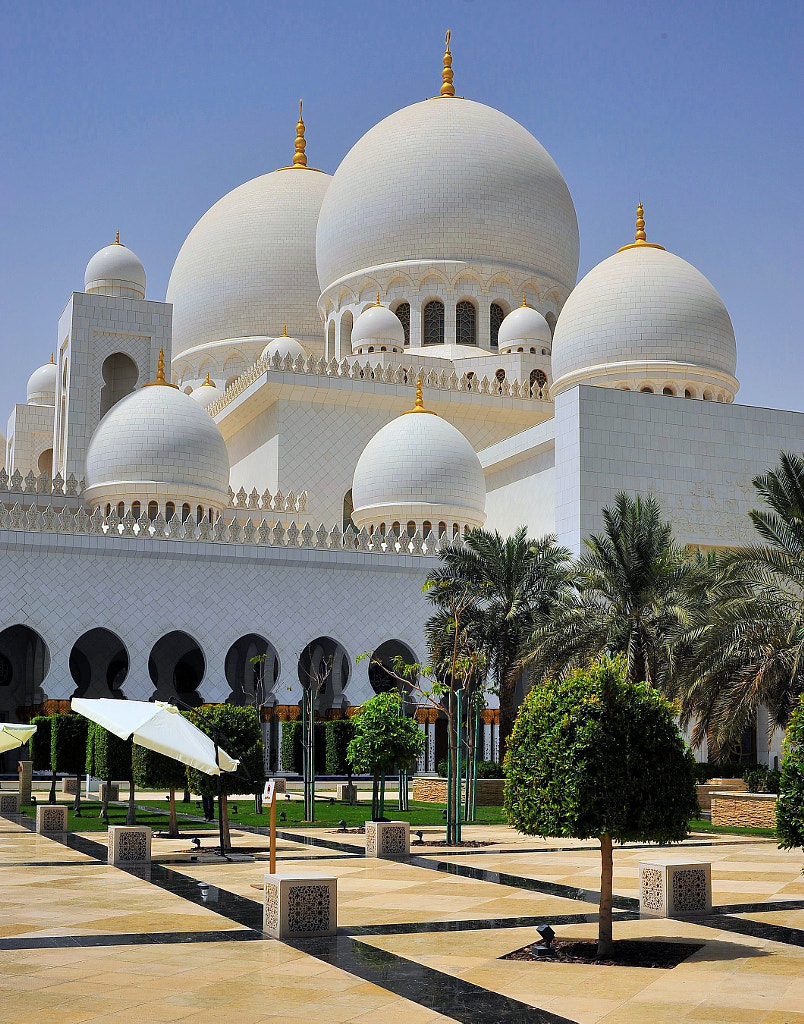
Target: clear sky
140,116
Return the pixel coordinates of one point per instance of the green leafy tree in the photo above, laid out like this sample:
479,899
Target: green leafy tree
593,756
108,757
384,741
240,735
790,805
747,643
634,590
40,750
68,749
157,771
339,734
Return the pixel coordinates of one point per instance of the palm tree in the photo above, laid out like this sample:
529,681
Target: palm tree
513,583
747,645
633,589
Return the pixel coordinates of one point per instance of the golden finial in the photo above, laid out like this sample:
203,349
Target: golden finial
378,299
640,238
419,406
447,88
160,374
285,331
208,383
52,359
300,157
524,299
117,238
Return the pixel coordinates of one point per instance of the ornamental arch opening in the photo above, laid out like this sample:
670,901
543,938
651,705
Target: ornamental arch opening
99,664
250,681
176,666
324,666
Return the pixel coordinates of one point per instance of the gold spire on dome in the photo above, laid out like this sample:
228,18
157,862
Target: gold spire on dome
285,331
524,299
300,157
447,88
378,303
52,359
419,406
117,238
160,374
208,383
640,238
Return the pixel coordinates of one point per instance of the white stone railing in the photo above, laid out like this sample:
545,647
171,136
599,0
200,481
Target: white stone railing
267,502
33,485
263,533
400,373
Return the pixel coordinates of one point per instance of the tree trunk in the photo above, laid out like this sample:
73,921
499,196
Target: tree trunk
173,827
375,797
52,797
453,783
105,806
77,801
131,813
605,946
508,708
224,813
186,797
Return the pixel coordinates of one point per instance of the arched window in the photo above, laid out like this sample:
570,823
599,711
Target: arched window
108,509
442,529
348,509
433,314
411,528
426,528
185,512
153,510
403,315
550,317
395,529
647,391
170,511
538,379
668,391
687,393
199,513
121,509
346,334
136,510
455,529
496,317
465,323
45,463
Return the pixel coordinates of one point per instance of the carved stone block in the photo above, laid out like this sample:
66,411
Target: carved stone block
387,839
113,788
9,802
279,784
346,792
69,785
670,889
300,906
129,844
51,818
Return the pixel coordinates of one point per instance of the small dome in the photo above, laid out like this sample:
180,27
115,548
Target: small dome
115,270
378,325
206,393
644,314
522,327
418,467
284,346
41,388
157,444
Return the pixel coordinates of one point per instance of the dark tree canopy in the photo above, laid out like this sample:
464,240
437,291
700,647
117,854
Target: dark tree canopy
39,743
790,805
157,771
68,744
594,755
241,738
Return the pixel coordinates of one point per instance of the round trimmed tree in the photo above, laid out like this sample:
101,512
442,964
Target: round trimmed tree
593,756
790,805
153,770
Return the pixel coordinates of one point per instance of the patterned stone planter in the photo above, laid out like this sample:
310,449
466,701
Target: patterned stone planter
129,844
114,791
387,839
51,818
300,906
670,889
69,785
9,802
757,810
346,792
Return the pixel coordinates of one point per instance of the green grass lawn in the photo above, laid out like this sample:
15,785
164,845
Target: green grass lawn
703,825
90,820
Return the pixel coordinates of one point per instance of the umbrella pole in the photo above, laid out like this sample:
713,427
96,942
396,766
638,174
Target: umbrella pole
220,797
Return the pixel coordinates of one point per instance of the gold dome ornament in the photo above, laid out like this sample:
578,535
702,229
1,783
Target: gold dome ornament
447,88
117,238
419,405
300,157
639,237
160,374
208,383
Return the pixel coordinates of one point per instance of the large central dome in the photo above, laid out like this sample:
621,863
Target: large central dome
448,179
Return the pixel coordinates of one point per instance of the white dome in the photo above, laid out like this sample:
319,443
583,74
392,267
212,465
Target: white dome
206,393
41,388
418,467
284,346
378,325
644,313
524,326
448,179
115,270
157,444
249,265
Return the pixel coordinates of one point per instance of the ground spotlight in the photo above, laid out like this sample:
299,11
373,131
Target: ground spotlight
283,816
342,825
547,935
420,835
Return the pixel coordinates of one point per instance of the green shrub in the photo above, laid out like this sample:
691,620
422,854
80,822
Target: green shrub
790,805
68,744
39,743
157,771
339,735
489,770
762,780
107,756
290,751
242,733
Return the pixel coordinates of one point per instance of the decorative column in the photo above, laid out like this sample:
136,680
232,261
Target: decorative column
421,763
415,323
431,765
495,740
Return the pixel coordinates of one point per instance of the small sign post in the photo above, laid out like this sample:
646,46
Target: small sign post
269,796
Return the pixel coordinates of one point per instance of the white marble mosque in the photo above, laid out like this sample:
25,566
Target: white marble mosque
248,467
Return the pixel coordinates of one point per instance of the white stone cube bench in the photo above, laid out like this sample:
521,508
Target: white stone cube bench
113,788
69,785
9,802
387,839
670,889
51,818
300,906
346,792
129,844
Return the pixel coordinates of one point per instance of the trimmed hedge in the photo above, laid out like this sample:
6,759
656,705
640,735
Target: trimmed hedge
244,735
157,771
68,744
39,743
107,757
290,752
339,735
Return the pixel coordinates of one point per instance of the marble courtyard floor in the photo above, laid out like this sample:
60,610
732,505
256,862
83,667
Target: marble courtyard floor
418,941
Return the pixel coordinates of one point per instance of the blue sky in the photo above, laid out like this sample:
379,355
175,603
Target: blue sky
140,116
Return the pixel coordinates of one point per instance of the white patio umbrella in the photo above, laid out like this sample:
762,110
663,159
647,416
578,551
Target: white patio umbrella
12,736
157,726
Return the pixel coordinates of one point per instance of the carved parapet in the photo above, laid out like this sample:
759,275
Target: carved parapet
9,802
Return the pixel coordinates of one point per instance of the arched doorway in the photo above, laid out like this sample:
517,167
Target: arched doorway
383,659
99,664
24,664
120,375
250,683
176,666
324,666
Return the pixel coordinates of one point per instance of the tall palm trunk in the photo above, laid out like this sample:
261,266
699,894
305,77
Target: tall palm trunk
605,945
